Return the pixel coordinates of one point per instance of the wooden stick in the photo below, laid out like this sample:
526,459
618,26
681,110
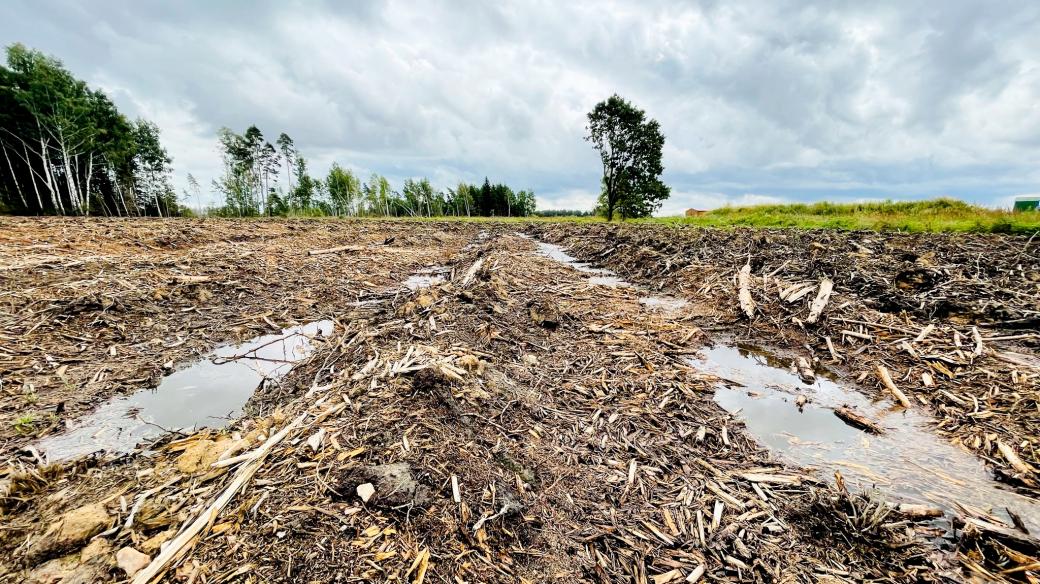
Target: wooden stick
747,304
472,271
315,252
822,297
886,379
204,520
1013,459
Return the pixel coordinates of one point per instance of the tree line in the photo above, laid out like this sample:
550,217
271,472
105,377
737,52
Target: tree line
66,149
264,179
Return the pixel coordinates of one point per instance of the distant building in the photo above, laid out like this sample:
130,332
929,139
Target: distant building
695,212
1023,203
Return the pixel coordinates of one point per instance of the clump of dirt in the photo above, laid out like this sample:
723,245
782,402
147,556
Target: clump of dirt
864,528
395,486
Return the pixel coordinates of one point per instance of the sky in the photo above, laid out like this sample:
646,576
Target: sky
767,101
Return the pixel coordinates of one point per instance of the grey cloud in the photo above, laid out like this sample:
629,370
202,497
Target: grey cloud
790,100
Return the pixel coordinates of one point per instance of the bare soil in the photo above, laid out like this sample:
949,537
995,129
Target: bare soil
92,308
953,318
512,424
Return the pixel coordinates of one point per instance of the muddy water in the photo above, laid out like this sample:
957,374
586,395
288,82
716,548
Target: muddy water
426,278
908,463
208,393
555,252
605,277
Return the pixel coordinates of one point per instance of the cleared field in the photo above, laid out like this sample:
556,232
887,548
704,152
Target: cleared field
483,408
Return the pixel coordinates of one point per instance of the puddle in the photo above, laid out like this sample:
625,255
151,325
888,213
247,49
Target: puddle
605,277
612,281
426,277
208,393
663,303
555,252
908,463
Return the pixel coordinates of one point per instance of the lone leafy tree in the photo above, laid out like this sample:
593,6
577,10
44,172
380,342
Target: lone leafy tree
630,146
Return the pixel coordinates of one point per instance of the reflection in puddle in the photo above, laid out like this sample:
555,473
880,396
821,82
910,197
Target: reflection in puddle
663,303
612,281
606,277
555,252
206,394
426,277
908,463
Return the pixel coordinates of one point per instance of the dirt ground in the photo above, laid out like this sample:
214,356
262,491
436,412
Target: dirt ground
954,319
91,308
511,424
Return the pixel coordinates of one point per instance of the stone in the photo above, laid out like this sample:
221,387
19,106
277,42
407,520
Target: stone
68,570
131,561
72,529
200,455
365,491
153,544
98,548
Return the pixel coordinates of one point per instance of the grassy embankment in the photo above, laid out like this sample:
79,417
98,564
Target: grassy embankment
911,216
937,215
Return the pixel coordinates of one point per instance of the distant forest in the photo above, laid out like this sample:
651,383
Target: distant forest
67,150
253,167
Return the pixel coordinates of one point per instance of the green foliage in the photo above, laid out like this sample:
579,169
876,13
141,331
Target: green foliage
488,200
251,165
630,147
25,423
910,216
65,149
564,213
344,191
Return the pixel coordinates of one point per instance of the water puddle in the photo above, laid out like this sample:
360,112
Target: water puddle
663,303
209,393
426,278
908,462
555,252
605,277
611,281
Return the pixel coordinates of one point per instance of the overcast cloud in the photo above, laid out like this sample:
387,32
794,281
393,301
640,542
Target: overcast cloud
759,101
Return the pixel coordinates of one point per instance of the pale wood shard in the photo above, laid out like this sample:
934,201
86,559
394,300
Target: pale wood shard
179,544
886,380
696,574
979,348
774,479
924,333
747,303
1013,459
914,511
823,296
338,249
316,439
187,279
471,272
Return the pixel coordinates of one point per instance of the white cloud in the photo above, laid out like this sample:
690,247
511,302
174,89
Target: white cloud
802,100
